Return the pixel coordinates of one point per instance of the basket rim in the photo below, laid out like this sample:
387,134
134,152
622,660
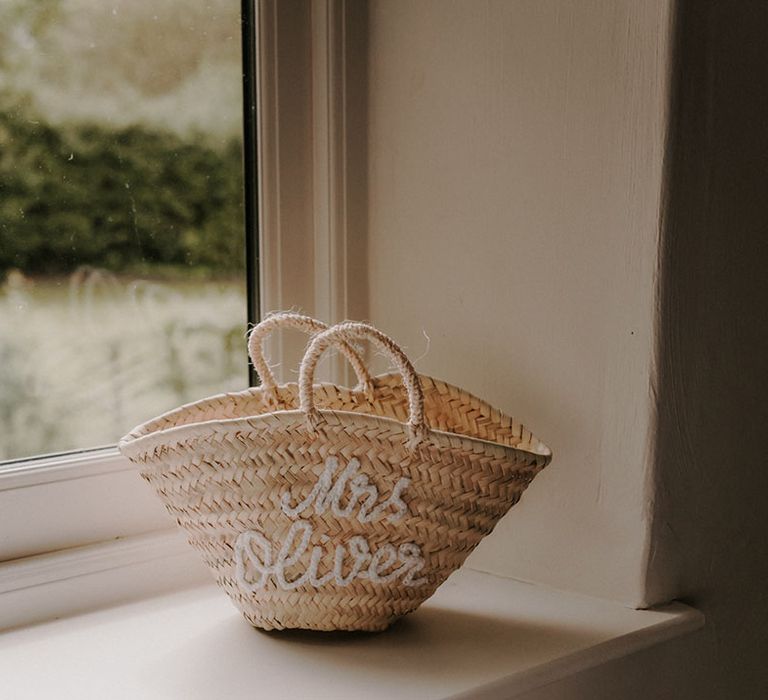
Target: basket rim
177,435
133,441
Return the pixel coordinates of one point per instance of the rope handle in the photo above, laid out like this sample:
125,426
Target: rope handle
345,332
312,326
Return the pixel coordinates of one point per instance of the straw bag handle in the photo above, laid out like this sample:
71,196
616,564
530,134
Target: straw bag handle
344,332
307,324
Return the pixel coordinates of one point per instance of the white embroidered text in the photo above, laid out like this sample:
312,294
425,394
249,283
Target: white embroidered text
256,559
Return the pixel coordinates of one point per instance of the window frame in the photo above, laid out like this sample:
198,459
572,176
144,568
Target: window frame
307,164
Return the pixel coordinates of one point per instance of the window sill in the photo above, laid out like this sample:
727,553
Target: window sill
479,637
60,502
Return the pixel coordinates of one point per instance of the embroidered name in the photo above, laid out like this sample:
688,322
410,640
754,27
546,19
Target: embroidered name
256,560
327,495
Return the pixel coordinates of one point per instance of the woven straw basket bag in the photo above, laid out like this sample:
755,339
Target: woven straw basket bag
328,508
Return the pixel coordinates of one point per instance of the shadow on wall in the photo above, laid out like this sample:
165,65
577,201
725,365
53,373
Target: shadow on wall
711,539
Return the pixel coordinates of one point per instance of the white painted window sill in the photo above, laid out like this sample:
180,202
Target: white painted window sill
479,637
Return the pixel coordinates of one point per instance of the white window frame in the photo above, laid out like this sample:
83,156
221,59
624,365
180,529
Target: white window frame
82,530
60,513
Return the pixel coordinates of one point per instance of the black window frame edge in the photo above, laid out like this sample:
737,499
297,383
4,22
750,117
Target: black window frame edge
248,14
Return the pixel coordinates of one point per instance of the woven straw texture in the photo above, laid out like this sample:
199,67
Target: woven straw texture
443,466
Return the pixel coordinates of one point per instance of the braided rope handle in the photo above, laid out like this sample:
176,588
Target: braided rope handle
309,325
345,332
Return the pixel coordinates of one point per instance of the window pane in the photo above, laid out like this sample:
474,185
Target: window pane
122,272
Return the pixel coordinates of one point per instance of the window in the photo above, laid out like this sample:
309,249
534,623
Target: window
364,158
123,286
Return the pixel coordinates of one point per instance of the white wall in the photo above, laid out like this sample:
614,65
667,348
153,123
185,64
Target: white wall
514,178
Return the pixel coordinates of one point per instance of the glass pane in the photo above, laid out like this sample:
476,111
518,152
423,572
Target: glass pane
122,273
